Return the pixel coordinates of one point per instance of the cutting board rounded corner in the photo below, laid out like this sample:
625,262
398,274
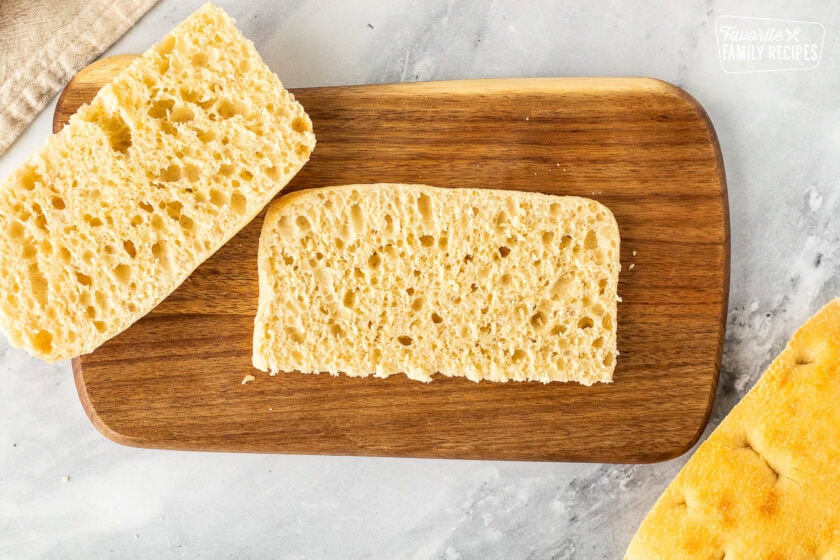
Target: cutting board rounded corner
98,421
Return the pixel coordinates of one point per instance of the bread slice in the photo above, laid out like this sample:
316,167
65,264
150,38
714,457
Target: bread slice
165,165
486,284
765,484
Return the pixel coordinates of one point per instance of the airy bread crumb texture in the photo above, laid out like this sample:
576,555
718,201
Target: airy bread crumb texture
165,164
765,483
486,284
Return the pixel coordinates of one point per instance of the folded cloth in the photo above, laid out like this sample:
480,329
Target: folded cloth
43,43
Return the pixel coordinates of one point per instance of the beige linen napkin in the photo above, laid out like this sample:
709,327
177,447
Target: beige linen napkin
43,43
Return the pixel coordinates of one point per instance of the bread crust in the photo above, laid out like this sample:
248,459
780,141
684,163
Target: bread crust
765,483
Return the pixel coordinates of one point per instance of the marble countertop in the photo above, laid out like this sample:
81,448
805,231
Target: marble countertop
67,492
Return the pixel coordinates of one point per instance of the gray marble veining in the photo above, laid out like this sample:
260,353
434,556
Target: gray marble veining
67,492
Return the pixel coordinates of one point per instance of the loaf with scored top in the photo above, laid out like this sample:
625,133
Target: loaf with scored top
163,166
765,484
487,284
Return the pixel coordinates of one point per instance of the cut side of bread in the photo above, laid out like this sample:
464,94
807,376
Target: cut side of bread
164,165
765,483
491,285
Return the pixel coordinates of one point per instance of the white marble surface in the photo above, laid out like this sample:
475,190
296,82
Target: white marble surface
780,135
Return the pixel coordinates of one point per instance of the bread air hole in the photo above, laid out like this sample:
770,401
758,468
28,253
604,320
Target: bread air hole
41,221
160,108
206,136
607,322
538,320
558,330
227,108
591,240
547,237
238,203
356,218
90,311
405,340
427,240
303,224
122,272
504,251
192,172
272,173
116,131
301,125
92,221
424,206
437,319
99,326
217,198
15,230
38,283
302,150
173,209
602,286
186,223
43,342
565,241
30,178
181,114
159,249
518,355
58,203
295,335
83,279
586,323
170,173
147,207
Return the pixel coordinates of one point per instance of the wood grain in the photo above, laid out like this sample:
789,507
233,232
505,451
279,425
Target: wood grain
644,148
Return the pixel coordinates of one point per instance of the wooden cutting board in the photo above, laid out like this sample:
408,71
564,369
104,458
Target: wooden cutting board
644,148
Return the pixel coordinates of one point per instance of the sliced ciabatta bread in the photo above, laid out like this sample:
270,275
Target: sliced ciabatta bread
487,284
165,165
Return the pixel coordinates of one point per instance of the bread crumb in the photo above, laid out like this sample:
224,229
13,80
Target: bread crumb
632,266
634,253
248,379
527,118
65,479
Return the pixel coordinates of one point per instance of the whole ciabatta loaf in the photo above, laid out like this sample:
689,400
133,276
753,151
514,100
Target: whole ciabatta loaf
766,484
165,165
382,279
